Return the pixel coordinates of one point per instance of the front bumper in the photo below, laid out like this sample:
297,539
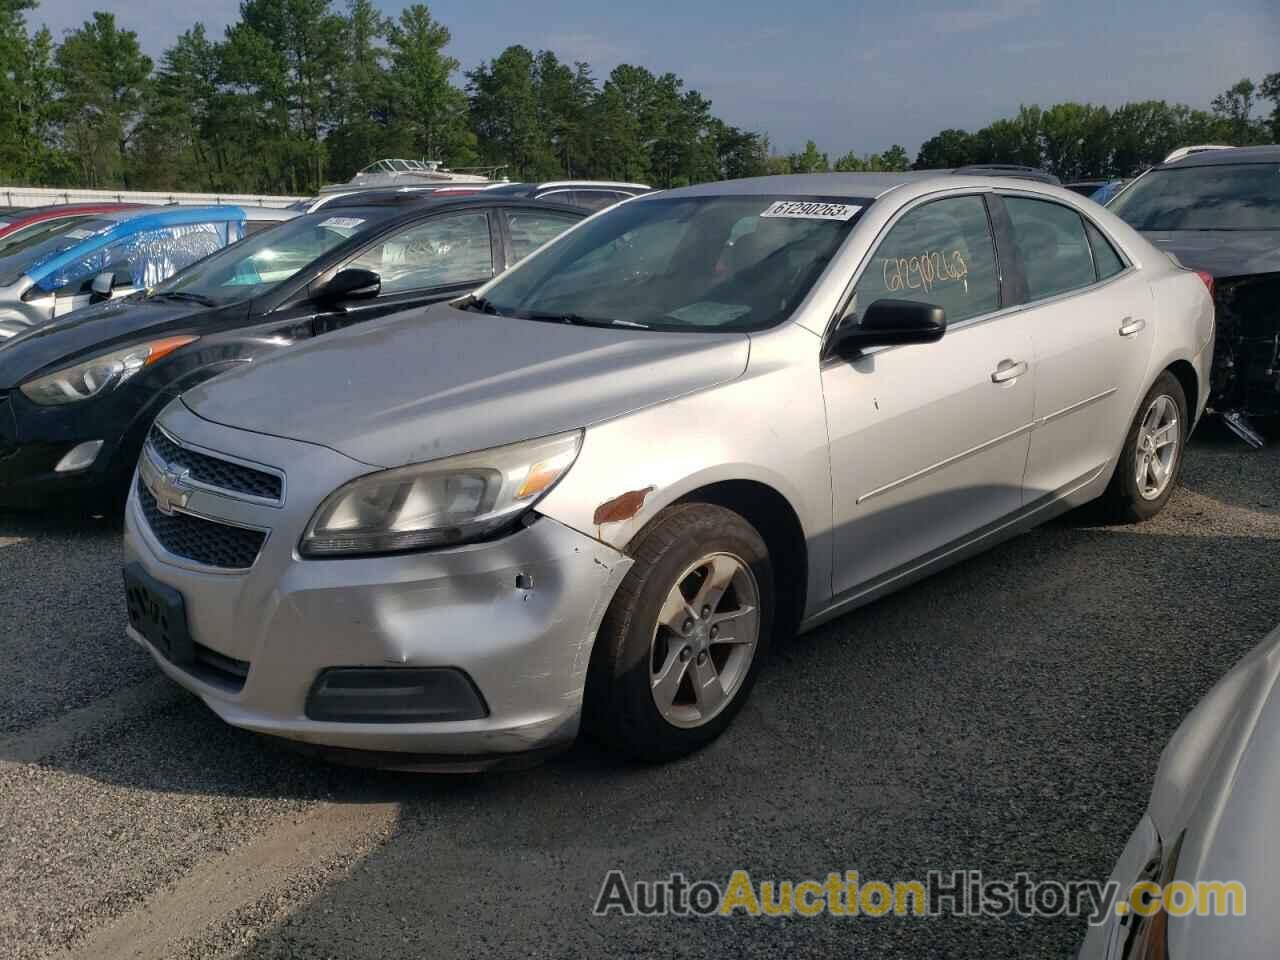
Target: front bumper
33,439
525,647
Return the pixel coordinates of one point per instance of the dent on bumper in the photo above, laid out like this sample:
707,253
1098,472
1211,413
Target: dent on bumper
526,645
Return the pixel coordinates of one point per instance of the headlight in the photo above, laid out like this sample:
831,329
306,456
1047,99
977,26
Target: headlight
87,379
440,503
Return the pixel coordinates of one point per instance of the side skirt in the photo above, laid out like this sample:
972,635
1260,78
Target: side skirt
1039,511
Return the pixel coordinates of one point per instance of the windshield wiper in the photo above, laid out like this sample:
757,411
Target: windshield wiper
183,296
577,320
472,302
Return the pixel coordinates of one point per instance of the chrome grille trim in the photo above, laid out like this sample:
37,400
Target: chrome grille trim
217,458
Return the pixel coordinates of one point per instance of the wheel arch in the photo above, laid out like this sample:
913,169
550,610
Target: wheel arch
773,515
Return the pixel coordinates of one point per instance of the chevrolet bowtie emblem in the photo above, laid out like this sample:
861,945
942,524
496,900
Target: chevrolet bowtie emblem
169,486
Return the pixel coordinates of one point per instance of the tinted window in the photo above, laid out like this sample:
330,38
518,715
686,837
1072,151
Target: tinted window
597,199
447,250
1242,196
257,263
1051,241
668,263
530,229
940,253
1105,259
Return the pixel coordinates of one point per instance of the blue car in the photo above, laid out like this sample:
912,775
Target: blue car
108,255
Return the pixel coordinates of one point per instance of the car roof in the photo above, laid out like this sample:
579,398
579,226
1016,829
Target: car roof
427,201
1270,153
863,187
22,216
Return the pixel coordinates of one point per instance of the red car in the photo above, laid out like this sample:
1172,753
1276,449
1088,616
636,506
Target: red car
26,223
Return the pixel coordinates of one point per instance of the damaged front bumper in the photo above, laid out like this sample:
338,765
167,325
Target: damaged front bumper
1246,362
480,649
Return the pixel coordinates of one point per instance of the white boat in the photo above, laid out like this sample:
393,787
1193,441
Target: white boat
405,173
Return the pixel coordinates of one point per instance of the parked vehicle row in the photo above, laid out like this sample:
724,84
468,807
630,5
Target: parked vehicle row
575,496
52,267
78,397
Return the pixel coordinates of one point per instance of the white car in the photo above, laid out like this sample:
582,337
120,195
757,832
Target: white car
1213,817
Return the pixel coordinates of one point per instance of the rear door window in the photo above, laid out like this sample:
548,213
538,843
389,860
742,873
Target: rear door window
1051,241
530,229
942,253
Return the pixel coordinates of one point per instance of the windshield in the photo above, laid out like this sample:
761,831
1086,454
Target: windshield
30,249
693,263
256,264
1242,196
33,233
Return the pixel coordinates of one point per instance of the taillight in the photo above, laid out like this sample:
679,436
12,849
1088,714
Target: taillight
1207,277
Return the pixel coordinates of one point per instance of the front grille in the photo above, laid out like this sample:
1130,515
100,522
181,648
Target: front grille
204,541
219,669
215,472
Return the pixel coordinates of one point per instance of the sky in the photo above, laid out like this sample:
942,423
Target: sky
849,75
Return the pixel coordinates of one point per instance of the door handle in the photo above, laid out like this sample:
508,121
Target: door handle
1008,370
1130,326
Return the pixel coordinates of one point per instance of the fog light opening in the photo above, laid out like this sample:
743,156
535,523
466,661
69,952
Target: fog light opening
79,457
394,695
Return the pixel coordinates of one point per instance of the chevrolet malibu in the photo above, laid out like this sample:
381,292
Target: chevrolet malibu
590,493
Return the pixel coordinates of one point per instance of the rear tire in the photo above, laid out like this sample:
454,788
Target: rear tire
1150,464
682,642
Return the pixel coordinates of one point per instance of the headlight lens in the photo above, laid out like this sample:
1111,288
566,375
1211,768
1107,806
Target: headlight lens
108,371
440,503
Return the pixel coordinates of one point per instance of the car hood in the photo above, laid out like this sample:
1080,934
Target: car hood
439,381
1217,781
98,329
1223,253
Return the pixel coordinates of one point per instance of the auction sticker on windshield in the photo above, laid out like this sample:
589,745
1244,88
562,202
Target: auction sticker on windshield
811,210
343,223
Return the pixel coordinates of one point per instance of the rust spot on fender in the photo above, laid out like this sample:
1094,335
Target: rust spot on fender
622,507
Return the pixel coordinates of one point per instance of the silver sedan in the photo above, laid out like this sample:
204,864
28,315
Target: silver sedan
592,492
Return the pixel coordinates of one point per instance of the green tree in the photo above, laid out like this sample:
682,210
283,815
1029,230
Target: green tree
103,75
1235,108
282,61
1076,139
810,161
1270,90
507,118
950,148
174,139
429,112
895,159
619,117
362,111
28,95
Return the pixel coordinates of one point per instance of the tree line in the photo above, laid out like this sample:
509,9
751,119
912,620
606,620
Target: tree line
296,94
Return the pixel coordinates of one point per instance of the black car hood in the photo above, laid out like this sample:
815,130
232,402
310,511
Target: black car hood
100,328
1223,253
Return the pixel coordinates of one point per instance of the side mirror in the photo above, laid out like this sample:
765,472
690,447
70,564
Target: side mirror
351,284
889,323
103,284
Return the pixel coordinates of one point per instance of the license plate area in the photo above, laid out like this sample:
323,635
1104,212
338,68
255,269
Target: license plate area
157,611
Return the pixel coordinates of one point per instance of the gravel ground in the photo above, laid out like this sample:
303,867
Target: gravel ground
1006,715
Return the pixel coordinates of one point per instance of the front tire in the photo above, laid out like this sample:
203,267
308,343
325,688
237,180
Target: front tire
1150,464
680,646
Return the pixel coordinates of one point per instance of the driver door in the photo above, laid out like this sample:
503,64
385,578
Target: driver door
928,441
421,263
